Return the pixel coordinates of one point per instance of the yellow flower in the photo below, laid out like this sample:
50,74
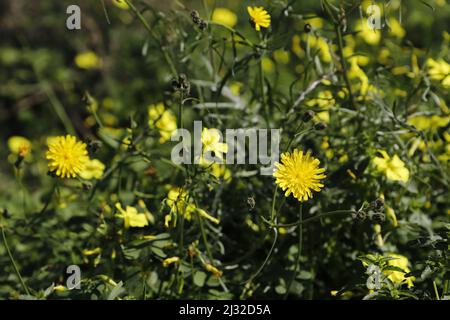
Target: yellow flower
20,146
91,252
371,37
167,262
67,156
88,60
396,28
131,217
439,70
216,272
393,168
267,65
398,276
211,142
93,169
259,17
281,56
163,120
121,4
299,174
425,122
221,172
224,16
180,203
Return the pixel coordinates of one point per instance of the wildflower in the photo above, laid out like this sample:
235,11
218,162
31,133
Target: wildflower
167,262
91,252
221,172
211,140
393,168
299,174
131,217
93,169
398,277
267,65
121,4
224,16
163,120
429,123
88,60
259,17
439,70
20,146
281,56
67,156
371,37
216,272
396,29
180,203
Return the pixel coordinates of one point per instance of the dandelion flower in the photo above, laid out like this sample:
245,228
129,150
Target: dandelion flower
394,168
299,174
224,16
67,156
93,169
131,217
259,17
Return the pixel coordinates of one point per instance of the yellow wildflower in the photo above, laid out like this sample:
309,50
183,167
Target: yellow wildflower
299,174
121,4
221,172
371,37
216,272
224,16
131,217
398,276
167,262
396,28
439,70
20,146
67,156
211,140
259,17
91,252
393,168
433,122
163,120
88,60
93,169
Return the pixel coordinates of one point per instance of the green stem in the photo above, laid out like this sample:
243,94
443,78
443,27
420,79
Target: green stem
299,249
205,241
13,262
436,292
155,38
305,221
344,65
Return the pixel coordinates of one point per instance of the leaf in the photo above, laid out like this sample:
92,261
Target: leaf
199,278
116,291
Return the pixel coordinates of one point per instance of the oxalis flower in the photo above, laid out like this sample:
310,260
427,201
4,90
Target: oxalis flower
67,156
259,17
299,174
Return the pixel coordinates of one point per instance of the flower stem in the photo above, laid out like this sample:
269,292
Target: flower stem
316,217
299,250
13,262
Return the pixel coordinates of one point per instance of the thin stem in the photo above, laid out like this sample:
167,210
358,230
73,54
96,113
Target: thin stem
344,64
205,241
305,221
299,250
266,260
155,38
436,292
13,262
